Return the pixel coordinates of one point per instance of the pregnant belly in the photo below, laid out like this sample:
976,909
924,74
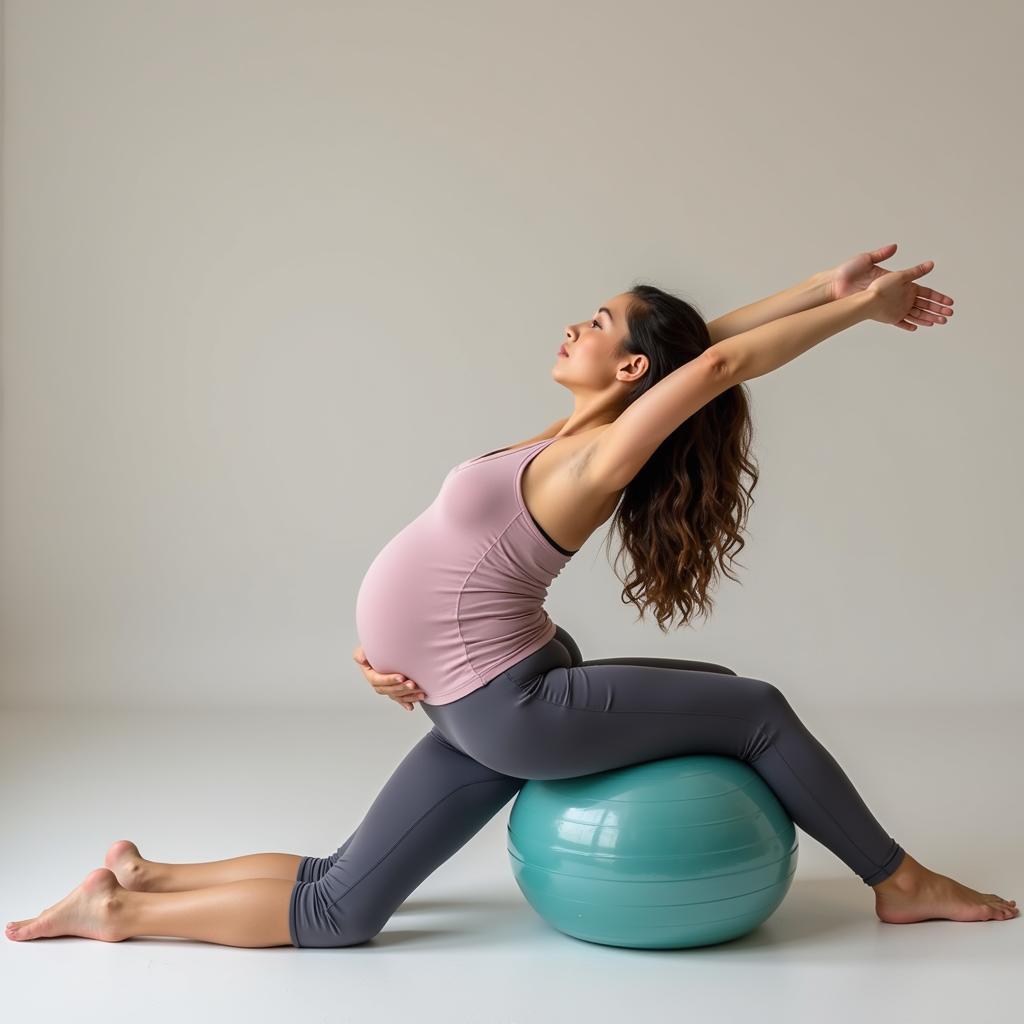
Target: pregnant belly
397,611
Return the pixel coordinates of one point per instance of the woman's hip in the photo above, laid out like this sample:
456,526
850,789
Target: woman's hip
474,722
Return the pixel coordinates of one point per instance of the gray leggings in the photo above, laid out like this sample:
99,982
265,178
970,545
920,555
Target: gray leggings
554,716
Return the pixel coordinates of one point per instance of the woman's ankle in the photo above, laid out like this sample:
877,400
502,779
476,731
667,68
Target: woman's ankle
906,878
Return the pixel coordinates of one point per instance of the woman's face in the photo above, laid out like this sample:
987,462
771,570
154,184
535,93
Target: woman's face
592,346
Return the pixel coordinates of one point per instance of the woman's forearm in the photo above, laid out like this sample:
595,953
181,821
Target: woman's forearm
805,295
763,349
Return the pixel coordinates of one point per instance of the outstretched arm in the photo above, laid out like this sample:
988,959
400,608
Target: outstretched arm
622,449
812,291
853,275
890,298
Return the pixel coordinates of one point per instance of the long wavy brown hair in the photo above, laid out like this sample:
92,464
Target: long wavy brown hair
682,516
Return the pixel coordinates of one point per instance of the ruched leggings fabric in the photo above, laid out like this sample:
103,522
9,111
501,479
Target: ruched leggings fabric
553,716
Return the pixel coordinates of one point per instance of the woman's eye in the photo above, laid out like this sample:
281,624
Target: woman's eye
594,323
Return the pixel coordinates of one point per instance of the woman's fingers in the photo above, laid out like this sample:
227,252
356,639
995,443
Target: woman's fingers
395,686
936,298
382,682
410,698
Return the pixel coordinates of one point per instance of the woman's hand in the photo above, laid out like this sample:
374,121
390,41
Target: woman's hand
859,272
893,296
397,687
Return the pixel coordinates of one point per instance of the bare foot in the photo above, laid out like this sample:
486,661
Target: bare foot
89,911
914,893
124,859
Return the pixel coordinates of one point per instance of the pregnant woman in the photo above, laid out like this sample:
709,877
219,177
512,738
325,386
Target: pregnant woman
451,614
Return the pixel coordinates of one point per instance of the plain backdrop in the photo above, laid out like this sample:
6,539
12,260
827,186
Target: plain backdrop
270,269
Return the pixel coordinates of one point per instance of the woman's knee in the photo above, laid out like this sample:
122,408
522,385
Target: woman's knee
324,922
771,702
313,868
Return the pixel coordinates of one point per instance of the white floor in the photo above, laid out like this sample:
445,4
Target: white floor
466,946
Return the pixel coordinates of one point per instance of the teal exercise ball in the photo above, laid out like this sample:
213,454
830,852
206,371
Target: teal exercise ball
666,854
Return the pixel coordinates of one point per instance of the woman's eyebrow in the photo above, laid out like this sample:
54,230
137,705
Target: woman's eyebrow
604,309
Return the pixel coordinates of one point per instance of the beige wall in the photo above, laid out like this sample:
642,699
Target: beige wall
270,268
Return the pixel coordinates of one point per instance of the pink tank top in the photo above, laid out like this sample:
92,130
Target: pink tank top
457,596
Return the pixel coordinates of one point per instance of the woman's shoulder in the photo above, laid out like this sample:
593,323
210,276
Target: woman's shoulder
557,494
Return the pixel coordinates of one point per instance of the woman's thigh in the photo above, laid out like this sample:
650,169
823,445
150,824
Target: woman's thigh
555,716
547,718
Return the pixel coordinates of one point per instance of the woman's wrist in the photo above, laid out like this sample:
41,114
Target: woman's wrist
821,283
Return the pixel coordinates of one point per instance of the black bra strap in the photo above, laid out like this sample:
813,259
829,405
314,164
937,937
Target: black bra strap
549,540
